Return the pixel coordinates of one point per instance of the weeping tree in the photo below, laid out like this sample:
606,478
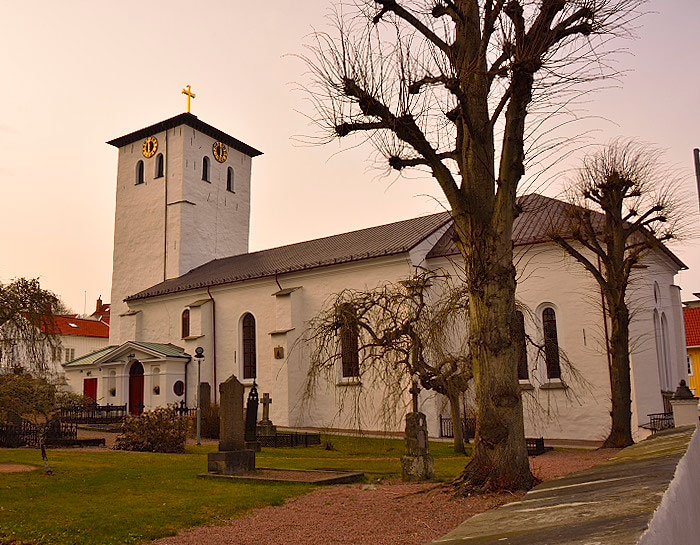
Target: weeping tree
37,400
625,206
27,328
394,333
448,86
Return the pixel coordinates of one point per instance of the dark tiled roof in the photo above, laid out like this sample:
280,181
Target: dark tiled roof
531,226
190,120
540,215
384,240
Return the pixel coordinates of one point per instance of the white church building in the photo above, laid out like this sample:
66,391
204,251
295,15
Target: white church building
183,278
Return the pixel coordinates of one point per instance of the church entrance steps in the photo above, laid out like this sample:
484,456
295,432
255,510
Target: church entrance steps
642,496
318,477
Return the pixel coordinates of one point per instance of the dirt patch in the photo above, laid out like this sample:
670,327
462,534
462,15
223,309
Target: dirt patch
554,464
395,514
386,514
16,468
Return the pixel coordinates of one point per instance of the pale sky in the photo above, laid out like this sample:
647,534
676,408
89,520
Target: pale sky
76,74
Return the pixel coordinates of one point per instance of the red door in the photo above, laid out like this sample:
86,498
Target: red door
136,388
90,388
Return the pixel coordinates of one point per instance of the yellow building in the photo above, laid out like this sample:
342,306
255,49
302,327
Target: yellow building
691,314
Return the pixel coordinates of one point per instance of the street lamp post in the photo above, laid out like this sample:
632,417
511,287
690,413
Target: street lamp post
199,356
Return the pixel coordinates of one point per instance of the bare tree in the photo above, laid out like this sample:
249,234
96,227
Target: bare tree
27,332
625,206
434,84
390,334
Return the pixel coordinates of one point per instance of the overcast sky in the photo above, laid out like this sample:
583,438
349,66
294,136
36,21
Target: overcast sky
75,74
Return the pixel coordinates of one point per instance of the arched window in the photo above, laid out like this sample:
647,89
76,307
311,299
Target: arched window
160,166
205,169
249,356
139,172
659,350
666,350
185,323
349,351
519,337
229,180
551,343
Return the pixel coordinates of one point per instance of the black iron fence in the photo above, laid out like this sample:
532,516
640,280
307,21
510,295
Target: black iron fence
27,434
447,428
289,439
95,414
182,410
535,445
659,422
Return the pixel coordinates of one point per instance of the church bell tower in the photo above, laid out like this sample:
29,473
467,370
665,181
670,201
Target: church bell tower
183,199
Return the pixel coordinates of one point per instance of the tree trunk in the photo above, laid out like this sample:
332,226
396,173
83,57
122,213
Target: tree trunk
500,460
620,378
456,414
42,446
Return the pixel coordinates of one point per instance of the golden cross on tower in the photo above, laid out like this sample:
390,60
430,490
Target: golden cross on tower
190,95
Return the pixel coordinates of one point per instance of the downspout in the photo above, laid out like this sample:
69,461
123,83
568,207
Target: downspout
213,339
165,212
186,364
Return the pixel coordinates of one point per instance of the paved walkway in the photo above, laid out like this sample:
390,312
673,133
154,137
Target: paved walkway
609,504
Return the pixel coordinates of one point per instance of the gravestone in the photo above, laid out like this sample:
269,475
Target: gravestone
251,420
233,457
205,396
418,464
265,426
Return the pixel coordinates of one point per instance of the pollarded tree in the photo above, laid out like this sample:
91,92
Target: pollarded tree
390,334
26,324
434,84
625,206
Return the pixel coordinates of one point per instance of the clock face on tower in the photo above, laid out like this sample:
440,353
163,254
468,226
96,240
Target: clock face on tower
220,151
150,146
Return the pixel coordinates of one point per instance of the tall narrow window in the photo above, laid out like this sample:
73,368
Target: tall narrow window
349,351
249,356
229,180
668,376
139,172
160,166
185,323
551,343
519,338
205,169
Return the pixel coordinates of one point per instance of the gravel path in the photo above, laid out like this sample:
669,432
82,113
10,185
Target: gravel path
386,514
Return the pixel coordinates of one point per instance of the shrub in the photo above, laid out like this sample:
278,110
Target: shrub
159,430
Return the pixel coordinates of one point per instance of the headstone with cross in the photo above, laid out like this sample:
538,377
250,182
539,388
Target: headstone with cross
265,426
418,464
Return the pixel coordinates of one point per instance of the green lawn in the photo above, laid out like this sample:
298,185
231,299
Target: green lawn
113,497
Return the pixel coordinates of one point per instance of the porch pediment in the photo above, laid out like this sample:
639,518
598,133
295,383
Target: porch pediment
131,350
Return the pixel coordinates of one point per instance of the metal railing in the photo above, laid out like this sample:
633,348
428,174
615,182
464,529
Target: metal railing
447,429
95,414
659,422
289,439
